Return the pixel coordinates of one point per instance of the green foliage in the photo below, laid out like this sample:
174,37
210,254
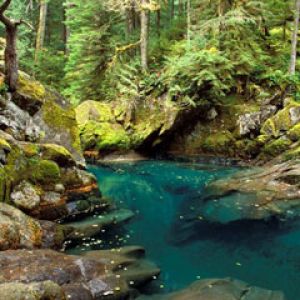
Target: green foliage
204,71
90,49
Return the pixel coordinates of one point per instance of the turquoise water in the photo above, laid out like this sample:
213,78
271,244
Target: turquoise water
165,197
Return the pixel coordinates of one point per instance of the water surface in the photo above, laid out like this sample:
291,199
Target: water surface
164,196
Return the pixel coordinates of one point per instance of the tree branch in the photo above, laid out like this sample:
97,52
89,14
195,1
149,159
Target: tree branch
4,6
6,21
19,22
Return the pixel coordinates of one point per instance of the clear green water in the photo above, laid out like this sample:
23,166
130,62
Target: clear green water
165,196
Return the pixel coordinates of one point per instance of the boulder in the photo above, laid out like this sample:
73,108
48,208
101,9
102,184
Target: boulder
31,291
220,289
98,275
37,114
19,231
93,225
254,195
25,196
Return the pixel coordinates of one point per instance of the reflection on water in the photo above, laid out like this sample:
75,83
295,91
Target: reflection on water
166,197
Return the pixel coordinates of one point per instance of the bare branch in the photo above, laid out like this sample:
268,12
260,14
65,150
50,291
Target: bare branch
19,22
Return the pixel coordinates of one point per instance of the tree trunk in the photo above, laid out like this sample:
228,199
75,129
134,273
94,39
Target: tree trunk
180,8
129,22
292,68
158,21
188,21
144,34
11,58
172,9
40,38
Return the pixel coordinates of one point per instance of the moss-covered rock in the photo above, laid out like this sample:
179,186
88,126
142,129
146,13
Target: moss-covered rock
283,121
220,142
99,127
4,145
57,153
292,154
276,147
44,171
94,111
104,136
58,122
294,133
30,95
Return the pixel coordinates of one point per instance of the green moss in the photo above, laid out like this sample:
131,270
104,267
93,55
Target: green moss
294,133
276,147
56,153
42,171
83,205
4,145
247,148
292,154
93,110
33,89
269,128
62,119
263,139
104,136
2,184
280,122
31,150
220,143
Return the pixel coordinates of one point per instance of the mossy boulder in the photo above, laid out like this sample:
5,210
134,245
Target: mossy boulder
276,147
43,116
4,145
294,133
104,136
57,153
283,121
58,122
220,142
30,95
43,171
99,128
94,111
292,154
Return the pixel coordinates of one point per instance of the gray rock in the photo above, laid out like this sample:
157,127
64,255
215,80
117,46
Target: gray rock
295,115
251,122
95,276
220,289
212,114
25,196
32,291
18,122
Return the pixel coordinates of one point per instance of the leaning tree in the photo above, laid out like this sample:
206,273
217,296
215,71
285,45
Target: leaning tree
10,54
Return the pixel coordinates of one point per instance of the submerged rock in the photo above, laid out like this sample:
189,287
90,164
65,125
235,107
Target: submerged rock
98,275
92,225
255,195
220,289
